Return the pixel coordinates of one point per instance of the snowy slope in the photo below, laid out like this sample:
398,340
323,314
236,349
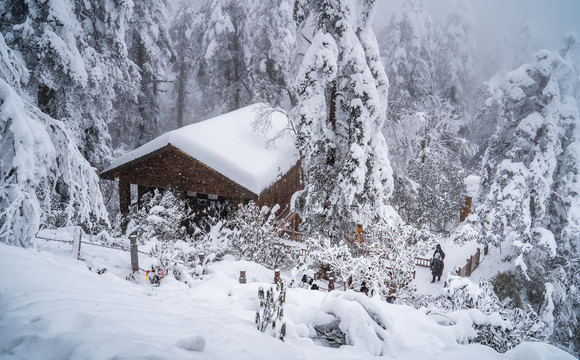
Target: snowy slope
231,145
53,307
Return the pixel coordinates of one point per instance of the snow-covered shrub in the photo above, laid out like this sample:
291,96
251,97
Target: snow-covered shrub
160,216
338,257
158,222
507,286
271,310
469,230
438,192
384,260
525,325
350,318
254,237
495,325
391,250
211,230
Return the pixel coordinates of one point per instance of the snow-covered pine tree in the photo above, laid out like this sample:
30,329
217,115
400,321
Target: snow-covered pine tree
564,209
406,42
150,49
341,108
437,196
76,55
529,178
407,52
271,39
247,50
424,117
45,180
185,33
455,47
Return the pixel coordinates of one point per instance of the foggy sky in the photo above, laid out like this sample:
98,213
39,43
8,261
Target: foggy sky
498,19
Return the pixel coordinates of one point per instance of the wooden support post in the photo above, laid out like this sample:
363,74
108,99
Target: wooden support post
124,201
134,253
486,249
242,277
350,281
469,265
77,238
276,276
330,284
201,258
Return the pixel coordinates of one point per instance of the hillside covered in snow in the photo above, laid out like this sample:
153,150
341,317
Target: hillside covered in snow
57,307
385,128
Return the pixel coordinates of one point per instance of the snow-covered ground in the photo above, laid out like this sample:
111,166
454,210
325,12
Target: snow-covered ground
53,306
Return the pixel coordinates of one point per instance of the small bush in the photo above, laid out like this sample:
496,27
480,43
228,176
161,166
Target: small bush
271,310
507,285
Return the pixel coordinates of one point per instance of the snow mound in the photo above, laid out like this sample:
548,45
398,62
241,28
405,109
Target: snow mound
194,343
59,309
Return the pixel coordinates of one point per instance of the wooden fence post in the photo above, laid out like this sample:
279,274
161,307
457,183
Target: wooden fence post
486,249
77,238
477,256
134,253
276,276
330,284
350,281
470,267
242,277
201,259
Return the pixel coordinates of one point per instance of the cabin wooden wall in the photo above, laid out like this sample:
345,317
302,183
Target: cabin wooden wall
282,190
169,168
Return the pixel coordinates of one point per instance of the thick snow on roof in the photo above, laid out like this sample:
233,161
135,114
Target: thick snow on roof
232,145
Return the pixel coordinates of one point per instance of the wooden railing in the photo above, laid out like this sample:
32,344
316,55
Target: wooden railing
423,262
293,235
472,263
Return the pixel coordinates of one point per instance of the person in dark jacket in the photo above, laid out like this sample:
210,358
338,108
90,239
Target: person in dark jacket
440,251
437,266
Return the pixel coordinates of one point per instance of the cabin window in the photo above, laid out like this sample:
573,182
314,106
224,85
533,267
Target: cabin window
202,202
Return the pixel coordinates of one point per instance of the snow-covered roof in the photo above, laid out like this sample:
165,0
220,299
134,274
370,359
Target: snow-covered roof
232,145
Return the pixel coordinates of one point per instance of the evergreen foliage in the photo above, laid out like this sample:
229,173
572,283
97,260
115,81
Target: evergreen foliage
502,328
384,260
44,178
245,51
270,315
254,237
341,108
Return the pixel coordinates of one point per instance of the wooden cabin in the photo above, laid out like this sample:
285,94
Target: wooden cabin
223,158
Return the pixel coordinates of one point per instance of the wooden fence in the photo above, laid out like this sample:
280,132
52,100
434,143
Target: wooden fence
472,263
423,262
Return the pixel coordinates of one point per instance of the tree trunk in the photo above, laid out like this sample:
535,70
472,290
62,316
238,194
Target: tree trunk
181,92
